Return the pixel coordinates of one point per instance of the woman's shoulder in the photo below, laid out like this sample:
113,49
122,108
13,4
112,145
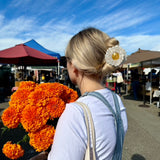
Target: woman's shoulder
72,112
74,109
107,94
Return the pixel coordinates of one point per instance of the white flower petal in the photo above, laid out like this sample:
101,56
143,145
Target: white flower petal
115,49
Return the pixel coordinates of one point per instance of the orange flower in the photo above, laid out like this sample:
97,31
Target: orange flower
19,99
55,107
11,117
42,139
58,90
69,95
29,85
12,151
33,105
51,89
73,96
34,118
38,98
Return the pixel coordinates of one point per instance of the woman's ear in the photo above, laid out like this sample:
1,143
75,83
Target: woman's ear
75,71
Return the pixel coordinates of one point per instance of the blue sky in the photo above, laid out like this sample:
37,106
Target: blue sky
135,23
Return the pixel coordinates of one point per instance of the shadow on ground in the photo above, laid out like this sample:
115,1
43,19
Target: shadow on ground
129,97
137,157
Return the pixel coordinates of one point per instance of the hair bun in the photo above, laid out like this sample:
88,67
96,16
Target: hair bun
111,42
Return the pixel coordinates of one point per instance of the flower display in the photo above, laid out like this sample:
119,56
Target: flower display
43,138
29,85
32,107
11,117
34,118
13,151
55,107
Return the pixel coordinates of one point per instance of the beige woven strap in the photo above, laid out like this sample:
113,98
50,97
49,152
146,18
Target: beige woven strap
87,114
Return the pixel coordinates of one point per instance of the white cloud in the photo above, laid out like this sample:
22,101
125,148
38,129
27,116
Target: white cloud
54,35
16,27
17,3
121,20
107,5
56,44
1,19
144,42
9,42
104,6
39,7
51,35
156,48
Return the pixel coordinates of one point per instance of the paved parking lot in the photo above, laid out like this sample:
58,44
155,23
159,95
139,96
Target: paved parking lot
142,141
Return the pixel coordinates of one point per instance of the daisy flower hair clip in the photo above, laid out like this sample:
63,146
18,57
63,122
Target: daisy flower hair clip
115,56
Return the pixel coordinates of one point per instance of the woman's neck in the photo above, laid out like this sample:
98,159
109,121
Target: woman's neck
89,85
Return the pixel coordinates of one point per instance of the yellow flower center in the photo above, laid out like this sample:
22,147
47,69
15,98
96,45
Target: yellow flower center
115,56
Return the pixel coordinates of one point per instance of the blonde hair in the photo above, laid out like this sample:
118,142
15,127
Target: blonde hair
87,49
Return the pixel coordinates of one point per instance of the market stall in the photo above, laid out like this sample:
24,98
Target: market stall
145,59
111,83
33,44
22,56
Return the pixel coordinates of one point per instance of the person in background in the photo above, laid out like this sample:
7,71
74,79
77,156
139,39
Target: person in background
135,82
30,76
119,81
43,78
52,77
90,56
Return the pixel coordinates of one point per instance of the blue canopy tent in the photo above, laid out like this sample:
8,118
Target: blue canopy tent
33,44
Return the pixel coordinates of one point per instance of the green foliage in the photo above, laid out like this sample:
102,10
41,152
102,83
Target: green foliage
25,139
4,129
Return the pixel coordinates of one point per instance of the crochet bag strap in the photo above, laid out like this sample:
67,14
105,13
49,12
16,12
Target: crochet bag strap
90,153
119,123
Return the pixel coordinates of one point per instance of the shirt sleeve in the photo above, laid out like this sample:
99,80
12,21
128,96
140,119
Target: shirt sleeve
115,74
69,140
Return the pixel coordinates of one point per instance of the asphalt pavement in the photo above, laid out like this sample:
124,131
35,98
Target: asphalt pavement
142,141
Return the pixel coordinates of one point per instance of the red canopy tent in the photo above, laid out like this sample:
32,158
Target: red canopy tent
26,56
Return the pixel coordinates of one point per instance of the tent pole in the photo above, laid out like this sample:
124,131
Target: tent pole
144,89
58,69
151,85
127,80
15,72
143,82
